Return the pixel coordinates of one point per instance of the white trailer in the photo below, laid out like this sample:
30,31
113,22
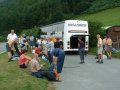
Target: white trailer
69,31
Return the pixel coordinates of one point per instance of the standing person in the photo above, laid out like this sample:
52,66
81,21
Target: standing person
81,50
104,44
9,47
58,55
13,36
109,47
31,42
99,49
50,48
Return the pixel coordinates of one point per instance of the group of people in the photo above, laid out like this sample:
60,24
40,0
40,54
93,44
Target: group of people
103,47
51,50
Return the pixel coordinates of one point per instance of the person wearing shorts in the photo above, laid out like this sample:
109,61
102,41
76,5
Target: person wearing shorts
109,47
99,49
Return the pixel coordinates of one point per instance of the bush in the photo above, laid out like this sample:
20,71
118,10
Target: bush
95,28
33,31
3,38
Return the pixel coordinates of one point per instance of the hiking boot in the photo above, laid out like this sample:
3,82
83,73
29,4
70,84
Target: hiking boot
81,62
10,59
97,61
101,62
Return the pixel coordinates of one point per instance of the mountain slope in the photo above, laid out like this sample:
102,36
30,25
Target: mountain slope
108,17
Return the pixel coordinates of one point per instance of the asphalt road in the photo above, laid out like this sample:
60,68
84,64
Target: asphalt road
89,76
2,47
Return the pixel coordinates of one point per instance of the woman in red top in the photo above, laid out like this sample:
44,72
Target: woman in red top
24,59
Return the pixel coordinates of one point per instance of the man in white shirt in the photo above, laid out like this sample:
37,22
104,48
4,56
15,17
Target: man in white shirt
9,47
12,35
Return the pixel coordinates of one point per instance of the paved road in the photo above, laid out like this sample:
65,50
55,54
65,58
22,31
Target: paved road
89,76
2,47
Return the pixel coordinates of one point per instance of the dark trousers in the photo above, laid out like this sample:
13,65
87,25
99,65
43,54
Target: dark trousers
44,74
81,53
49,57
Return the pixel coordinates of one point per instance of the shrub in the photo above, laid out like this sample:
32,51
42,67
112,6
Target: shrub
95,28
3,38
33,31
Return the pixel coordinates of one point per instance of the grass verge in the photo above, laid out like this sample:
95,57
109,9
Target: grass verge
14,78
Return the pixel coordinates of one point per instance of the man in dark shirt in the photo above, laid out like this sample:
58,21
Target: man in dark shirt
81,50
58,44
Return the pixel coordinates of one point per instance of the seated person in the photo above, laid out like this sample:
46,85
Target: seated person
38,50
24,59
36,70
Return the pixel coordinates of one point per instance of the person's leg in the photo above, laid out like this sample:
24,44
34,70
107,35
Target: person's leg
82,57
99,57
60,61
9,52
37,74
16,48
49,57
23,66
47,74
110,55
26,63
83,54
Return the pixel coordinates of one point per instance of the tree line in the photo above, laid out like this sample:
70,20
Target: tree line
25,14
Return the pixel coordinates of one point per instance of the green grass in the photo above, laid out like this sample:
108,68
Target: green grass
108,17
14,78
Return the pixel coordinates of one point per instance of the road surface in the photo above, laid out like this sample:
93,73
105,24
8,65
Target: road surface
89,76
2,47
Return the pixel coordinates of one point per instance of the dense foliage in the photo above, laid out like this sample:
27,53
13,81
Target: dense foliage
25,14
95,28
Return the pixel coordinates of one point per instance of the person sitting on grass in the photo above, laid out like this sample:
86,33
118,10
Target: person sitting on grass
24,59
37,71
38,50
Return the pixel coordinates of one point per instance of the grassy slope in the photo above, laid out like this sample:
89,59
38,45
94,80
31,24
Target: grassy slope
14,78
108,17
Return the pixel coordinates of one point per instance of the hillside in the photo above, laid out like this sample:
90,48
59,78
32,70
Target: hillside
108,17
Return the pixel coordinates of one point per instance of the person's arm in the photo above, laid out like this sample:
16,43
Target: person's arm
37,65
8,37
27,57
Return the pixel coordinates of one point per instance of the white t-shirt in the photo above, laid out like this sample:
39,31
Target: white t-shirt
11,36
39,41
